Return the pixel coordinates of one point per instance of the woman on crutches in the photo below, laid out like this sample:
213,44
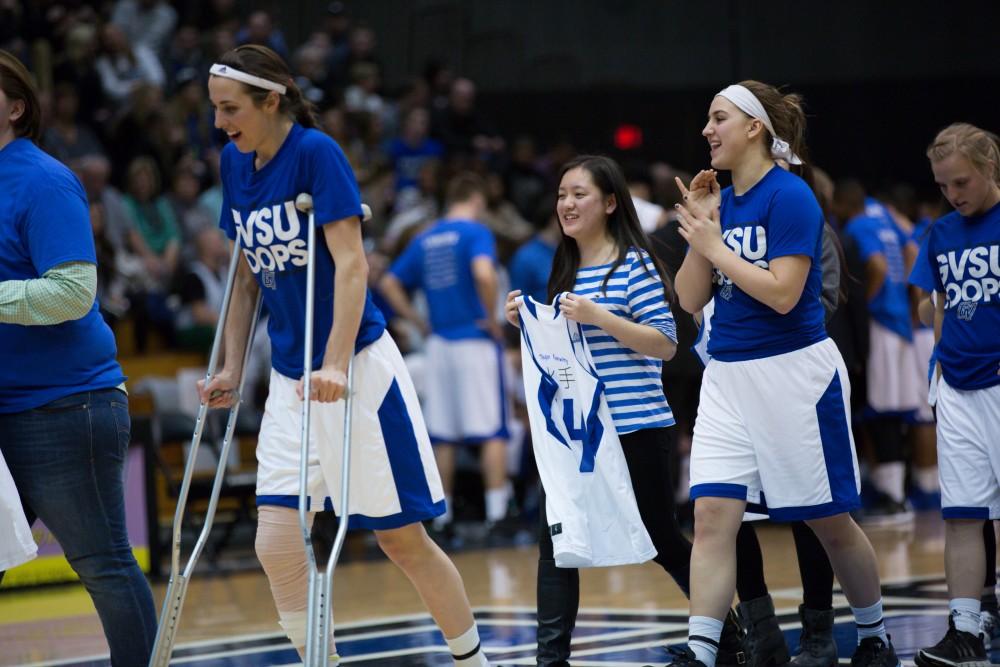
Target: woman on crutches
274,155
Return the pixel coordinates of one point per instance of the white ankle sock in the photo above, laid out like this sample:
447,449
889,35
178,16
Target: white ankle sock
496,502
466,649
927,479
890,479
965,612
869,622
703,638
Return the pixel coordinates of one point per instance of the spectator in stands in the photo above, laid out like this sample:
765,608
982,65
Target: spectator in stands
211,198
310,71
189,117
652,216
123,65
111,283
526,186
201,289
94,172
218,14
64,420
77,66
147,22
155,237
362,96
503,219
140,130
66,138
408,152
360,49
186,55
260,29
532,263
462,128
190,214
421,210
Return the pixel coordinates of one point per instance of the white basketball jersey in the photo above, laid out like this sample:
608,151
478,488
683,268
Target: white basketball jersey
16,543
590,505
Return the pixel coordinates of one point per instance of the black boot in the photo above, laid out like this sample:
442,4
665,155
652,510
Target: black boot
731,652
764,643
816,645
558,601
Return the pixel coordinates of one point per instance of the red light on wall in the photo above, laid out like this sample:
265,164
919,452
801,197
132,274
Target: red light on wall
628,137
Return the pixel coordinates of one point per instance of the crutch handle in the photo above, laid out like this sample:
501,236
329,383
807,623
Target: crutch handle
304,202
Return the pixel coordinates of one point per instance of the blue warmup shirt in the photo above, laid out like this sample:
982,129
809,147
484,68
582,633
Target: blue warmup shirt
530,268
879,235
407,160
258,211
961,259
46,222
439,262
777,217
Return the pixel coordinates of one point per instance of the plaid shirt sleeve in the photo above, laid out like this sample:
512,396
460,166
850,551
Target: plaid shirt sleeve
63,293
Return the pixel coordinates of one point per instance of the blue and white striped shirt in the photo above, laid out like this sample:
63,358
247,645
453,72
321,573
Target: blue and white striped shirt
634,388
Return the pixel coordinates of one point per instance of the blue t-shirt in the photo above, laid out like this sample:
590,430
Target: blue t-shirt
961,259
258,211
879,235
46,222
777,217
530,268
407,160
439,262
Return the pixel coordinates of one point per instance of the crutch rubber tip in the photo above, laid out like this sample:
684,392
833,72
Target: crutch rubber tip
304,202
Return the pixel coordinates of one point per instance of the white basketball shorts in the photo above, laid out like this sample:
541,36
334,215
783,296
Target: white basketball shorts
968,441
464,392
776,433
891,373
394,480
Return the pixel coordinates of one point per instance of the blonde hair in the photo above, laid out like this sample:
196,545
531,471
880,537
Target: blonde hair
978,146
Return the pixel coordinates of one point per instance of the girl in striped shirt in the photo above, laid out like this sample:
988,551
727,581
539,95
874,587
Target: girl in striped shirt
619,292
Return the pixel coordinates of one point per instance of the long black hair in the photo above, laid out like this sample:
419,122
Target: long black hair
623,226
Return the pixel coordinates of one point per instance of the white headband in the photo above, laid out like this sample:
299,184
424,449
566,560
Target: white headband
231,73
748,103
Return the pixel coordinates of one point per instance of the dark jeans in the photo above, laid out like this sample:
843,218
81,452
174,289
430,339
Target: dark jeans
647,455
67,460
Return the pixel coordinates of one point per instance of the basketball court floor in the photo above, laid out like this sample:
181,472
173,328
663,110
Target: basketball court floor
629,615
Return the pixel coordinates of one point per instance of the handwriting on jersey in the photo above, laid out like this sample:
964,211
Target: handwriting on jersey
270,239
970,276
750,243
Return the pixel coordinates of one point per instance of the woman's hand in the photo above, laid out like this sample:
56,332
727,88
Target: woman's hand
581,309
704,190
328,385
510,308
220,392
700,228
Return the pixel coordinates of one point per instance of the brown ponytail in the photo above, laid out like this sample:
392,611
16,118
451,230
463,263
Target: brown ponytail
265,63
789,121
786,114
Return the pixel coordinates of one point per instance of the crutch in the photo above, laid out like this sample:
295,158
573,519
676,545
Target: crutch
166,633
320,583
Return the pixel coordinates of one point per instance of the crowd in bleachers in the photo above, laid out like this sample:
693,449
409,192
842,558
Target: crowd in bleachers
125,106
